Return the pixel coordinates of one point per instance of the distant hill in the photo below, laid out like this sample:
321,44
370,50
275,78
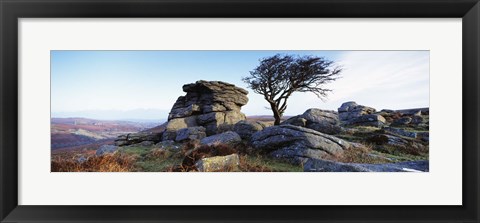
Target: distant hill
265,118
74,132
157,129
112,114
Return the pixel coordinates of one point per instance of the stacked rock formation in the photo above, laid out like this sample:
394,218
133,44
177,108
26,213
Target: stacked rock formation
323,121
211,104
351,110
350,113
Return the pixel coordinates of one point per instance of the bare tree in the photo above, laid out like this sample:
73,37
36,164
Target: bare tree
277,77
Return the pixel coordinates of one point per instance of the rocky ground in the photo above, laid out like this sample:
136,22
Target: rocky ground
207,132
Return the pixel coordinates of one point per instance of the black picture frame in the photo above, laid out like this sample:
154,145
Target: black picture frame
12,10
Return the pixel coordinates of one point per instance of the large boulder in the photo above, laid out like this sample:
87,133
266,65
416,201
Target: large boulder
211,104
351,110
295,120
295,143
401,132
134,138
180,123
368,120
222,138
347,106
176,124
320,120
191,133
316,115
316,165
247,128
218,163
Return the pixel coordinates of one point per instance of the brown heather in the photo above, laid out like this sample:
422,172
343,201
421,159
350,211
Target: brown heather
106,163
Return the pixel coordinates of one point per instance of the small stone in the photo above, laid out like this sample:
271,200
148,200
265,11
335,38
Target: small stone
81,159
105,149
218,163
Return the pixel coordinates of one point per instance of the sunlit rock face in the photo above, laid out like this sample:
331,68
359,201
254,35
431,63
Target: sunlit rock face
214,105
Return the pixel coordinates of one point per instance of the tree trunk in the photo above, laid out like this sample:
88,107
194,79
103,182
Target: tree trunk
276,114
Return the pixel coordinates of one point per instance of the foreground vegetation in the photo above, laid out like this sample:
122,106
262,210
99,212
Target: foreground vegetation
178,157
174,158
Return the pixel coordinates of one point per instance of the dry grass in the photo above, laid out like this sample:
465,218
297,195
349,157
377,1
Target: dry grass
156,154
248,164
107,163
133,159
259,163
360,154
249,161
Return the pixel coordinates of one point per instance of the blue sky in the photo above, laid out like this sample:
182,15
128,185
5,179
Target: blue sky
145,84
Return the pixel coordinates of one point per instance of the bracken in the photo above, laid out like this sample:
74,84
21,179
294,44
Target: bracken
107,163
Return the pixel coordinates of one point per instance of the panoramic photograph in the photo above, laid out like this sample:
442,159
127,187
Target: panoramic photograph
239,111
